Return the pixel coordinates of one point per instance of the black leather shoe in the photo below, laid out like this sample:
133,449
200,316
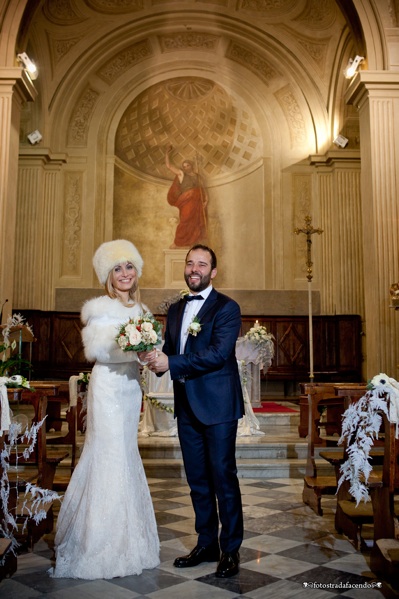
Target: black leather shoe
211,553
228,565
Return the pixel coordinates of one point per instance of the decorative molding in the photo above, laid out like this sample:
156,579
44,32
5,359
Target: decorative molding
268,7
72,225
79,122
122,62
60,47
199,118
289,105
61,12
252,61
116,6
319,14
188,40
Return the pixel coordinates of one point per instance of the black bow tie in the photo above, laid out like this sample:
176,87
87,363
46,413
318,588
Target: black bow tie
190,298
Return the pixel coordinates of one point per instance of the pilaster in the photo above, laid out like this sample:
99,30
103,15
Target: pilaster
15,88
36,247
377,97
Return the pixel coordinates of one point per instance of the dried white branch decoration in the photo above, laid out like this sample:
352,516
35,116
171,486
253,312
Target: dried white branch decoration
360,427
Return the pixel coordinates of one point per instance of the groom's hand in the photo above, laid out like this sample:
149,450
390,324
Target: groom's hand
159,362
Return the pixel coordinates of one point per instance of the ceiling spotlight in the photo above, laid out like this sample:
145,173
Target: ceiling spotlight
28,65
352,66
35,137
341,141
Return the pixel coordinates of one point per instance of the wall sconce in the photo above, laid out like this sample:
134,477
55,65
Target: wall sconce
35,137
341,141
352,66
28,65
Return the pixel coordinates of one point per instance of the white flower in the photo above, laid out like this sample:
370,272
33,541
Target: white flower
195,327
153,337
134,337
147,326
129,328
122,340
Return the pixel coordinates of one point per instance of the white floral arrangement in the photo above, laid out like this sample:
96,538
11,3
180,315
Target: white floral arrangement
84,378
11,363
263,341
16,381
141,334
194,327
360,427
258,334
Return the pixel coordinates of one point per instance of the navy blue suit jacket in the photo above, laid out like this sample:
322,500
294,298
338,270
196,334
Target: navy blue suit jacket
208,365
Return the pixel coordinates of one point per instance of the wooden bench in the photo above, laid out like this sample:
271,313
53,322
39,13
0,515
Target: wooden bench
330,396
56,403
384,559
351,518
38,467
8,559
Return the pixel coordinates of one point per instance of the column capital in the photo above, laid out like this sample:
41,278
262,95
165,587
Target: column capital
365,84
16,79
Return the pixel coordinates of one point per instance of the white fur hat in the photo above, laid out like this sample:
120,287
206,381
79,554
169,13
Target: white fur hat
111,253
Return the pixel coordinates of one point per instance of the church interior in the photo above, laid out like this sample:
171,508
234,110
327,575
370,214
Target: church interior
287,114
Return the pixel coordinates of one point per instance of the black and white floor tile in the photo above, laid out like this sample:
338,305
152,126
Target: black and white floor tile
288,551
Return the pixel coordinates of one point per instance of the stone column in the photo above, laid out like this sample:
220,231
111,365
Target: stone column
376,94
15,88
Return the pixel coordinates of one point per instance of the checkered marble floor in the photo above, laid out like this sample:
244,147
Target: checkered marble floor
288,551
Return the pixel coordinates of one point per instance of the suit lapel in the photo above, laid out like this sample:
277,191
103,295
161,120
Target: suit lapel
201,315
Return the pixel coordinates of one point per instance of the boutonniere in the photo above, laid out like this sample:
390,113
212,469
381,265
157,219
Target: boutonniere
195,327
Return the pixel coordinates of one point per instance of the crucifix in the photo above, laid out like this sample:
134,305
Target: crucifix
308,230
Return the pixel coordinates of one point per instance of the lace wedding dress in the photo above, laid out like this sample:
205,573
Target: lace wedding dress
106,526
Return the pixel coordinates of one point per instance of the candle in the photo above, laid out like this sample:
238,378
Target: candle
256,325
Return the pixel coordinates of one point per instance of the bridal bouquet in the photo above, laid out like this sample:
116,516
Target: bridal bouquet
141,334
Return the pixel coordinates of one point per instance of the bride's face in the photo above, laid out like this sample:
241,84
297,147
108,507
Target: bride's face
123,276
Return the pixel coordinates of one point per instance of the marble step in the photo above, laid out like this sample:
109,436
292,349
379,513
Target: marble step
261,450
249,468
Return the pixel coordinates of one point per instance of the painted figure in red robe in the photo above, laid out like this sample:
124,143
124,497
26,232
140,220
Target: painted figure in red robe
189,196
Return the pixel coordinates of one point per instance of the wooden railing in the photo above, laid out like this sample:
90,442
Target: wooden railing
58,351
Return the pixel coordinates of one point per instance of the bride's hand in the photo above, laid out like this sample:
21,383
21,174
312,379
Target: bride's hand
146,357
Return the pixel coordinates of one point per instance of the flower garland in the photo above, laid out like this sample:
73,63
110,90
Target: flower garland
361,425
158,404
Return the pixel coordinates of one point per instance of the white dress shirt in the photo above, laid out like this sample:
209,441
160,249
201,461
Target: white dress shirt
192,308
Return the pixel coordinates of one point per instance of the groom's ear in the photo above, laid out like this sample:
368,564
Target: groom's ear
214,272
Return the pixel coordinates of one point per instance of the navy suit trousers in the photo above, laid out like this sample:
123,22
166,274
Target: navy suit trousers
210,465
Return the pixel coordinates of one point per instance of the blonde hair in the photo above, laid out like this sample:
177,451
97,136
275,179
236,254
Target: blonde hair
134,292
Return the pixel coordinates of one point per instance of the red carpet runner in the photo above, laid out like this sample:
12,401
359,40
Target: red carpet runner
269,407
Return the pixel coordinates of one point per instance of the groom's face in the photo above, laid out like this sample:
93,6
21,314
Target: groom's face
198,272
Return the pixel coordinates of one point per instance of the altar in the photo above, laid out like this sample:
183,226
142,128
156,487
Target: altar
158,401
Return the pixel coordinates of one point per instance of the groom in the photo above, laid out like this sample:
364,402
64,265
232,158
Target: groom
199,350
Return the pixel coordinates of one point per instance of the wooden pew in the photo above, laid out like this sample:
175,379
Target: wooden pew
384,559
8,559
330,396
55,404
37,468
349,518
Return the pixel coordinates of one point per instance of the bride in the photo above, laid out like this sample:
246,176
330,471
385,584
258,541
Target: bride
106,526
